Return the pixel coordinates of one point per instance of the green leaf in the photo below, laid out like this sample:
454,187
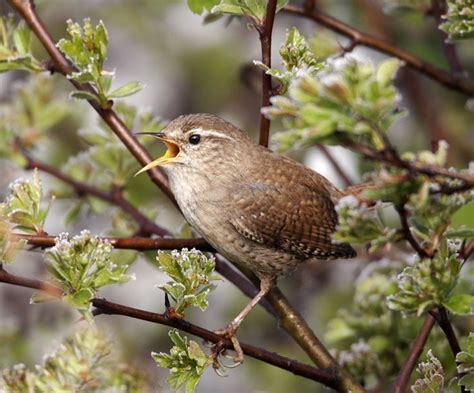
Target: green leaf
186,362
430,282
463,232
86,361
460,304
9,246
465,362
22,38
198,6
358,224
15,51
87,48
459,20
254,9
126,90
387,70
467,381
359,100
84,95
81,299
81,265
432,376
191,271
22,208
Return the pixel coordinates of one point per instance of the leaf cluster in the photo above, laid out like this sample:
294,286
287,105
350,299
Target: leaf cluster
459,19
369,338
186,362
15,47
81,265
360,224
465,362
254,9
430,282
432,376
33,111
296,55
87,48
192,274
23,207
83,363
9,246
429,211
348,96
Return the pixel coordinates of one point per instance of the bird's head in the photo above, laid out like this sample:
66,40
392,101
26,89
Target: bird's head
192,140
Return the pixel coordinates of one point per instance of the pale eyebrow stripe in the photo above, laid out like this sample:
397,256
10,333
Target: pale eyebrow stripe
210,133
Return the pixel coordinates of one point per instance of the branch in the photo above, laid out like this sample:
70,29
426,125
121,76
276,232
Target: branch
335,164
265,34
416,349
447,328
107,307
144,244
115,196
26,8
402,213
309,5
455,82
443,322
129,243
294,323
467,250
388,157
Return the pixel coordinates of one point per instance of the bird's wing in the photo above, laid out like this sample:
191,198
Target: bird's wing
297,218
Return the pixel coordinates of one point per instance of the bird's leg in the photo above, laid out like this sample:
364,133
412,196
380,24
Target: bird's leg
266,284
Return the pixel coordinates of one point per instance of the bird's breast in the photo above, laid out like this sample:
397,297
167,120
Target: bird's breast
201,202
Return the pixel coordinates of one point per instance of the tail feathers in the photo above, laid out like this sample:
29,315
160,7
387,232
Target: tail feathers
357,190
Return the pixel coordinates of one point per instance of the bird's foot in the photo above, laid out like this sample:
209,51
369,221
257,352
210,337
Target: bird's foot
219,348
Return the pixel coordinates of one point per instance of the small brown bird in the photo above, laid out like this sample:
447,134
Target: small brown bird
258,209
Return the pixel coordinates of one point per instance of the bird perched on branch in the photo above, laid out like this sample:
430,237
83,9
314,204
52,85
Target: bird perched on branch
265,212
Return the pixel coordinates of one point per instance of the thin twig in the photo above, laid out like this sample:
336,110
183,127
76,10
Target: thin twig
468,250
115,196
265,34
444,323
447,328
335,164
403,214
455,82
107,307
416,349
129,243
413,167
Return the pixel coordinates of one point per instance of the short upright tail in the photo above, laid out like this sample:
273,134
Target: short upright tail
357,190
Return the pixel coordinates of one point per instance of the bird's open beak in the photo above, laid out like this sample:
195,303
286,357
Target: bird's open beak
171,152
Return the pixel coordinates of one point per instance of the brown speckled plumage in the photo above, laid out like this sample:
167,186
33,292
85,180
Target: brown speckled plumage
255,207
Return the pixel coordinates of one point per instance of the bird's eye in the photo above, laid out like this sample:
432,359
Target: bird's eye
194,139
